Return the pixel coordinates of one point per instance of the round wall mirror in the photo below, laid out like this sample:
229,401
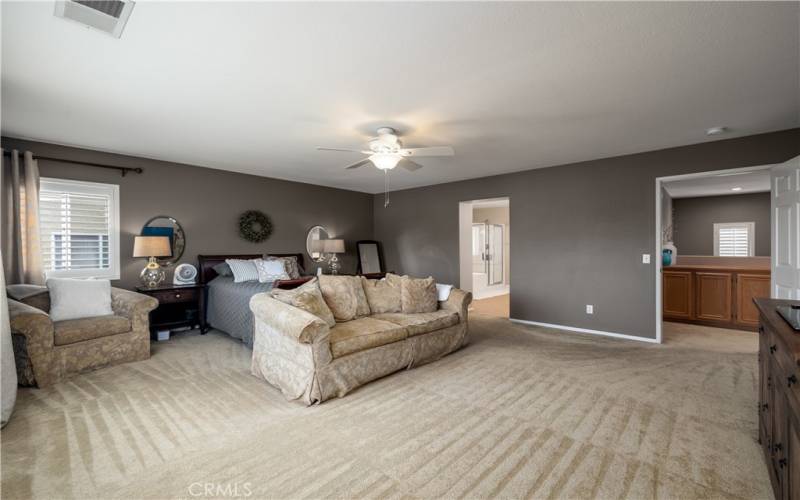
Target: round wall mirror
163,225
314,243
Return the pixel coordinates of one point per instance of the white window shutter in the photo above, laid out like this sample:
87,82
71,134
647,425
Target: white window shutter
734,239
79,228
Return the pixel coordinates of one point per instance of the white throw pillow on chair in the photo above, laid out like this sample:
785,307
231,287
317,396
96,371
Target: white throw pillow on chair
75,298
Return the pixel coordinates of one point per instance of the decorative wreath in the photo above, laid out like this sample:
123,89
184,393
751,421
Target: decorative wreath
255,226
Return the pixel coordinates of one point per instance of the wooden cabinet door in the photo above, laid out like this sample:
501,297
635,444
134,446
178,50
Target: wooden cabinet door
748,287
713,292
677,294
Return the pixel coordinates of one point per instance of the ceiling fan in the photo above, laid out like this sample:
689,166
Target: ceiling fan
386,151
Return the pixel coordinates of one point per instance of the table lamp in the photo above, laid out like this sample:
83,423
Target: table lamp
333,247
151,247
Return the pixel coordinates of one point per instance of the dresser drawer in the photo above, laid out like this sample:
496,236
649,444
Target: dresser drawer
175,296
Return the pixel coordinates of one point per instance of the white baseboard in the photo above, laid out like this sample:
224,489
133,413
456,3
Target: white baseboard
586,330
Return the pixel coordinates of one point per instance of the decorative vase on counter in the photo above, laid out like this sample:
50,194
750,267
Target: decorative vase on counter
669,254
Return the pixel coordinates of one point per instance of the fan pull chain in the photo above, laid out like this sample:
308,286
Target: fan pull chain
385,188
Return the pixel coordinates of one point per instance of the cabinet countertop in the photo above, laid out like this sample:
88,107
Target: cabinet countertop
717,267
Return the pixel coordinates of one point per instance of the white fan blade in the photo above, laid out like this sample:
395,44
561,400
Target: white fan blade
432,151
409,165
358,164
338,149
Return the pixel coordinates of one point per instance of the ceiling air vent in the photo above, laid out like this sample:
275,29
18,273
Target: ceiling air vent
109,16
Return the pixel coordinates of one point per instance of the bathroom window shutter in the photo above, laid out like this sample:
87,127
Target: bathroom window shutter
734,239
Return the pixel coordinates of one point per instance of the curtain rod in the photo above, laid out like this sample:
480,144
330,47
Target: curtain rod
123,170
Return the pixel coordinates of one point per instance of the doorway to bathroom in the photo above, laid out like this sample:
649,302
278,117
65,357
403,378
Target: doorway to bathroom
485,254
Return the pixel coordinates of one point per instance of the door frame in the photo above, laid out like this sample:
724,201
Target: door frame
657,254
465,208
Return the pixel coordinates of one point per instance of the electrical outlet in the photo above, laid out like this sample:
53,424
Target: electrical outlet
645,258
589,309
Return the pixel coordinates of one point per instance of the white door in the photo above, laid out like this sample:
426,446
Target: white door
786,230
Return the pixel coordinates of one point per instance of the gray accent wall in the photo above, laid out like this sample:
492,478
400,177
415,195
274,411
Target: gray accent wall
207,202
579,230
694,220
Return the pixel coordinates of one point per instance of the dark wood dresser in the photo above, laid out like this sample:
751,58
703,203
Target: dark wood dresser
779,398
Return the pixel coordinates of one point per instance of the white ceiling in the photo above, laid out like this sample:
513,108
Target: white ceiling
721,184
254,87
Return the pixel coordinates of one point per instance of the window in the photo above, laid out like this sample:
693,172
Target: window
79,224
734,239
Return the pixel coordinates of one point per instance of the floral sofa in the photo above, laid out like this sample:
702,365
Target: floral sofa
336,333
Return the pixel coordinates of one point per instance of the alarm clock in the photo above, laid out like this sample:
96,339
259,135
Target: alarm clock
185,274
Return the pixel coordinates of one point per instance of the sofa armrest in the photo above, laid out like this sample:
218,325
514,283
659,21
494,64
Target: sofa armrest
291,321
132,305
458,301
34,324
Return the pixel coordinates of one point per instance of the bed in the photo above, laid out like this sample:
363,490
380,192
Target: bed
227,304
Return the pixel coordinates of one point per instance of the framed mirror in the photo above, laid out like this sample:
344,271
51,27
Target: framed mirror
370,258
164,225
314,243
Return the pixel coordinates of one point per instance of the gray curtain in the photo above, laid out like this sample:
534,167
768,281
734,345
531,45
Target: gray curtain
19,219
8,369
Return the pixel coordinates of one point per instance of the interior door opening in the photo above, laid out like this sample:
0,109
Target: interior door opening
714,255
485,254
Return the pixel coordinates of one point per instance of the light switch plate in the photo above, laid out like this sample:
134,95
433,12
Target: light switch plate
645,258
589,309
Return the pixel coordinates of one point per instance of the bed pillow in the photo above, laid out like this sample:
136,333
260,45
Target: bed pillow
243,270
383,295
307,297
223,269
344,296
75,299
418,295
293,268
270,270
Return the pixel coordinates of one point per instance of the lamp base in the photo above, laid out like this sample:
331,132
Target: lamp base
152,275
334,264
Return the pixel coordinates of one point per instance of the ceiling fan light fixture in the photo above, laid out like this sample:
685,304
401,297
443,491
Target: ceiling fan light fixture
385,161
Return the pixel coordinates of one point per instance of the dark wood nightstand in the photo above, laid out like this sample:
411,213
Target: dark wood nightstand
178,305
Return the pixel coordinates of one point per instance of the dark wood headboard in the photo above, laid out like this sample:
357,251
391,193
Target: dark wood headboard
206,264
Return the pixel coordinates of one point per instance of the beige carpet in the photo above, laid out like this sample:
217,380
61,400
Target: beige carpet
521,412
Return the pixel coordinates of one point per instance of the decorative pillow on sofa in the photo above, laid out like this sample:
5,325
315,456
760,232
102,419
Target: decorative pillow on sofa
243,270
345,296
270,270
74,298
383,295
307,297
293,268
418,295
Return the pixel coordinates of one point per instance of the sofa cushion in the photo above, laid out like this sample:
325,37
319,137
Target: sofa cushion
71,331
420,323
308,298
362,334
418,295
345,296
383,295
